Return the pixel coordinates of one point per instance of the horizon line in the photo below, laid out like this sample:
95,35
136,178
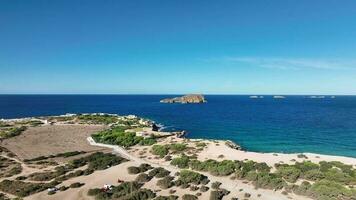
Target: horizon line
228,94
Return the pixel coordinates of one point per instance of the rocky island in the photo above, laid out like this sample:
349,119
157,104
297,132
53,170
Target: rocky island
191,98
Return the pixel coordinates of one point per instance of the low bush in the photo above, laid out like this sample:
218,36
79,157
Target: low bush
218,194
194,188
124,191
133,170
63,188
159,172
289,173
165,182
76,185
11,132
204,188
215,185
181,162
171,197
160,150
326,189
177,147
142,178
189,197
188,177
23,189
93,192
144,167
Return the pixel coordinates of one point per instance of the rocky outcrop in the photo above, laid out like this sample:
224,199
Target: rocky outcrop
192,98
232,145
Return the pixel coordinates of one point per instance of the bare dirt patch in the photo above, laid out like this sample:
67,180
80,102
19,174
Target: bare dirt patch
52,139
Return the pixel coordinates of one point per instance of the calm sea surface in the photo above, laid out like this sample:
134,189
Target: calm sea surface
294,124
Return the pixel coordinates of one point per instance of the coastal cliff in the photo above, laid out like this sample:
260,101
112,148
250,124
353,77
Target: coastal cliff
192,98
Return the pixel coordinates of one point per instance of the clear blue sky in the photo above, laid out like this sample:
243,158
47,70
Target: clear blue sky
178,46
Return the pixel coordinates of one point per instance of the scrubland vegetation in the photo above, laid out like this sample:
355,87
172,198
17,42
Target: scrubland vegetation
326,180
95,161
9,167
64,155
87,118
11,132
23,189
163,150
98,119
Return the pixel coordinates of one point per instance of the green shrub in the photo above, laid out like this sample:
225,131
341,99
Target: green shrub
302,189
76,185
218,194
94,192
144,167
124,191
133,170
204,188
63,188
337,175
159,172
187,177
289,173
11,132
194,188
269,181
142,178
181,162
200,144
306,166
160,150
98,119
223,168
325,189
148,141
189,197
165,182
140,169
215,185
313,175
171,197
177,147
23,189
118,136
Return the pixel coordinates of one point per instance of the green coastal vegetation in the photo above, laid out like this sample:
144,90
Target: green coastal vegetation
11,132
326,180
118,136
98,119
163,150
86,118
125,191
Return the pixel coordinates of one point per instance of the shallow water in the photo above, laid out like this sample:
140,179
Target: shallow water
293,124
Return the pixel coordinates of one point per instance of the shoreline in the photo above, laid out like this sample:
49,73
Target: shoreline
347,159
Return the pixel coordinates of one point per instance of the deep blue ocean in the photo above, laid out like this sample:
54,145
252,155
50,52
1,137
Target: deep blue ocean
294,124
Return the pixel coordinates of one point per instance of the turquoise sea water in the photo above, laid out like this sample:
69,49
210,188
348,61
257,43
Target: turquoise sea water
293,124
